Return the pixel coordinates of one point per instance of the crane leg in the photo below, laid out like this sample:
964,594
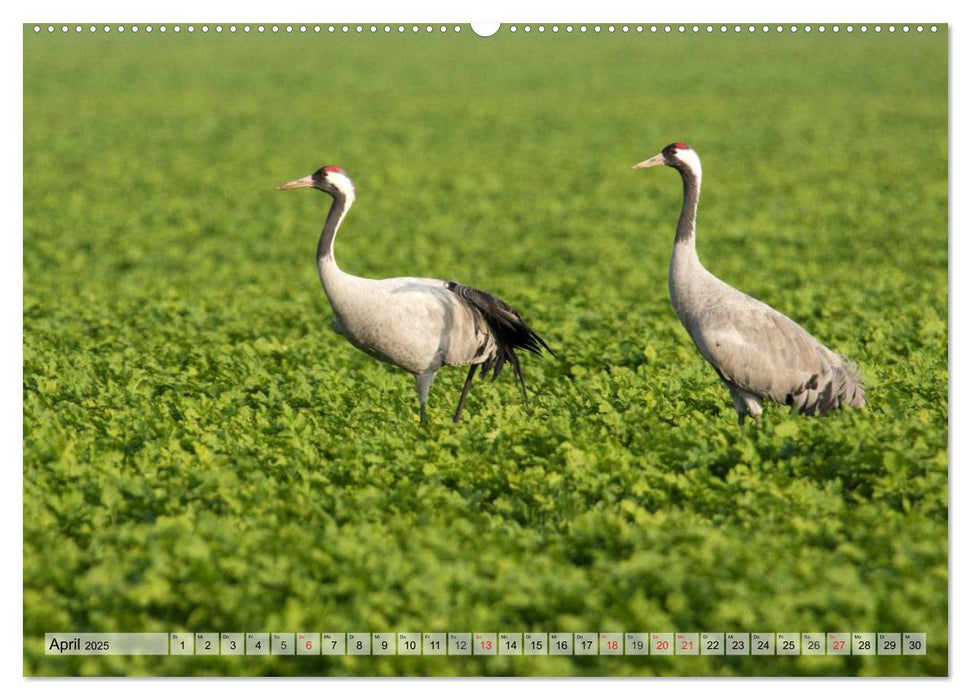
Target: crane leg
424,382
465,392
518,372
746,404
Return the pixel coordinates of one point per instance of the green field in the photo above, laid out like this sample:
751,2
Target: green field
203,453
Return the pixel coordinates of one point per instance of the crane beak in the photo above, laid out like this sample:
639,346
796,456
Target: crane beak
296,184
649,163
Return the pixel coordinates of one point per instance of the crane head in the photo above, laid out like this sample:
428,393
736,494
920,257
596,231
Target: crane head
677,155
329,178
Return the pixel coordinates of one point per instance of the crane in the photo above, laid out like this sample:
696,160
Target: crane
757,352
416,323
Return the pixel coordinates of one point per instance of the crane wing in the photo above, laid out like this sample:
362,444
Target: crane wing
758,349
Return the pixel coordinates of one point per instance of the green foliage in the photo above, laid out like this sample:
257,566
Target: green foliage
202,453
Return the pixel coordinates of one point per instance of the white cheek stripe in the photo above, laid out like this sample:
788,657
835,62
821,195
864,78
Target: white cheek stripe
342,182
691,159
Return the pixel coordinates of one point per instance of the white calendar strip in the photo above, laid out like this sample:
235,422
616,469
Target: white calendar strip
487,644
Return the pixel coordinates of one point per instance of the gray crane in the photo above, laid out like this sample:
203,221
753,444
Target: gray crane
416,323
757,352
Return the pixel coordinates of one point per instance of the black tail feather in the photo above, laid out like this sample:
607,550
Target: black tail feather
506,324
508,328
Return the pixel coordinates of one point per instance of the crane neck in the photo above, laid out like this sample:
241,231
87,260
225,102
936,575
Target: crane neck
686,273
325,246
689,209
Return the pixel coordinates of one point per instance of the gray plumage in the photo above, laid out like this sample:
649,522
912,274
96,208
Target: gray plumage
416,323
757,352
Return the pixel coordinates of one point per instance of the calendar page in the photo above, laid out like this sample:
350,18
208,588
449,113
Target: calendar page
512,349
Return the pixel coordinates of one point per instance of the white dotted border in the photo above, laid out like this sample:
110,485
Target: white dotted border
511,29
246,28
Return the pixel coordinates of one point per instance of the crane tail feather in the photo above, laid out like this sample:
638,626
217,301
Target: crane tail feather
850,390
843,388
508,329
507,326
